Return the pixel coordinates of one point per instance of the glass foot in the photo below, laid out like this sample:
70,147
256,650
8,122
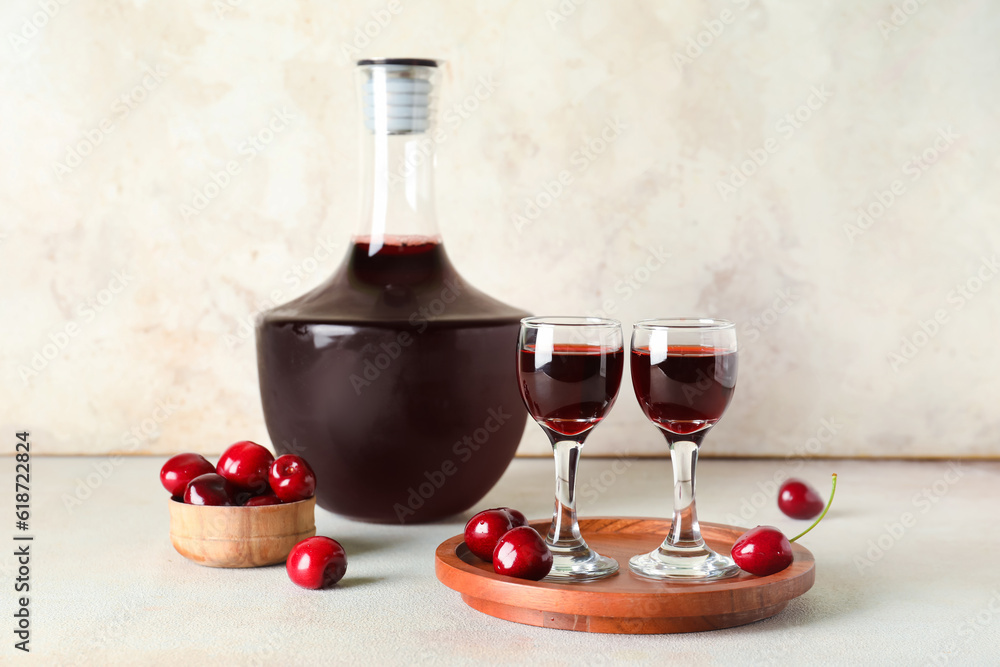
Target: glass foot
579,565
700,564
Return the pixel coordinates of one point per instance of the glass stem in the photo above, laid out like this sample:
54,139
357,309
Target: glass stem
564,532
685,533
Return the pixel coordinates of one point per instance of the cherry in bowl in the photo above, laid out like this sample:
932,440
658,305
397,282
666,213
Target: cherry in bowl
246,465
179,470
260,501
292,479
211,489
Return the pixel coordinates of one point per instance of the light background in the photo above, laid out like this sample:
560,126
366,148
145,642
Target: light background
168,356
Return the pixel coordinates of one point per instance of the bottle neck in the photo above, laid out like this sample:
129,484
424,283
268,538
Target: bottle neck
397,205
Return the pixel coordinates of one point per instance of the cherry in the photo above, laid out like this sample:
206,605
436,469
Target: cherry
246,464
518,517
485,529
522,553
765,550
799,500
292,479
181,469
210,489
267,499
762,551
316,562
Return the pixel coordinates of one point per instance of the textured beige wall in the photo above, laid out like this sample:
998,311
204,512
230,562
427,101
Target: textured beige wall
131,312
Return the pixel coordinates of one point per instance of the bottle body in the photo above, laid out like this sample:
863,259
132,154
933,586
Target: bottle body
396,381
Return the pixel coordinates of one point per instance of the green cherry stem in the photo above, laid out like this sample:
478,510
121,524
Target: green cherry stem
825,510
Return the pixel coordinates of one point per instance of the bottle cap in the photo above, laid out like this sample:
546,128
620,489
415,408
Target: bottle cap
396,94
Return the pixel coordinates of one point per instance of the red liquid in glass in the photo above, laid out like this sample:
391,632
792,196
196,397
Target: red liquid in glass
394,381
571,389
688,390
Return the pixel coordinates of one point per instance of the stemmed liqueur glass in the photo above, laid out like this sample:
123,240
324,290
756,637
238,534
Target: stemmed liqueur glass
684,374
569,370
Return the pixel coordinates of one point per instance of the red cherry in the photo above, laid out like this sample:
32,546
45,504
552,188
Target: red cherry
246,464
292,479
181,469
485,529
762,551
316,562
522,553
257,501
210,489
518,518
799,500
765,550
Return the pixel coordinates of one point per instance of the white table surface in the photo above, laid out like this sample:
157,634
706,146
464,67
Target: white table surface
107,588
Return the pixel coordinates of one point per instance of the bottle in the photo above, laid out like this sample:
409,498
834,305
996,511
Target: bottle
395,378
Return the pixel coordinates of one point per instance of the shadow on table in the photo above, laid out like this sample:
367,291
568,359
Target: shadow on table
355,582
355,546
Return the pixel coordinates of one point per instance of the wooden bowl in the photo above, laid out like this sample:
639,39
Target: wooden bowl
626,603
240,536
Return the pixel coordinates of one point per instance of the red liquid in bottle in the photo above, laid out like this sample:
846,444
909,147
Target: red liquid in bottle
394,380
571,387
687,390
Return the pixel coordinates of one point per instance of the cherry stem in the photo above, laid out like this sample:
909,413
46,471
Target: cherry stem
825,510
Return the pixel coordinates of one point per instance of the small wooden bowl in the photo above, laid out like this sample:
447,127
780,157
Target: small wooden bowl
240,536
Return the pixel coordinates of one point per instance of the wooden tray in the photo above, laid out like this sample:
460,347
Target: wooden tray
625,603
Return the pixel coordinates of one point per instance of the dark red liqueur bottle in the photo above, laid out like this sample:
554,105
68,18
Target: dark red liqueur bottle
395,379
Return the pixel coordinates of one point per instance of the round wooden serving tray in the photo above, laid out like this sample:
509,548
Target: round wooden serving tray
625,603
